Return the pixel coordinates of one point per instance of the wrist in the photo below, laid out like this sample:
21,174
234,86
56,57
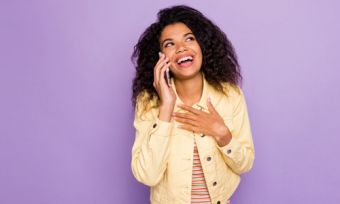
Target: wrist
165,112
224,139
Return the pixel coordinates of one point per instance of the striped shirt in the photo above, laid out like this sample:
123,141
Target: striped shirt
199,190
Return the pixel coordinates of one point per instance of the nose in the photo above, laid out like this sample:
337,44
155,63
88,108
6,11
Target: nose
180,48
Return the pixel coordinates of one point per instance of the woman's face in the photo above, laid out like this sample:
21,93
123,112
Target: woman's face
179,44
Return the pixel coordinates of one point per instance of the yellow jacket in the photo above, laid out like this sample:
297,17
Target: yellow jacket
162,154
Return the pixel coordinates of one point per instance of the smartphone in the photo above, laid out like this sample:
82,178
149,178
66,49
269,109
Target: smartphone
167,73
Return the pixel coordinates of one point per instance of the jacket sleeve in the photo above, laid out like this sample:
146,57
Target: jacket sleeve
239,154
151,148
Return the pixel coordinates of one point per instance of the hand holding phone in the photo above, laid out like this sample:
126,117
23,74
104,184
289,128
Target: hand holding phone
167,73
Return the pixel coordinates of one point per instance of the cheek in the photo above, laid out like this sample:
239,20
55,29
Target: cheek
169,53
197,49
199,56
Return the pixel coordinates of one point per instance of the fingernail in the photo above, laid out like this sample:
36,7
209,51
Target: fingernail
160,54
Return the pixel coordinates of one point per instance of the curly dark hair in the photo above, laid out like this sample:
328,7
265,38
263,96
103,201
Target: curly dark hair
219,64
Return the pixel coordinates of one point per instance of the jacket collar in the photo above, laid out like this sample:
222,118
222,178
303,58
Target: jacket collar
202,103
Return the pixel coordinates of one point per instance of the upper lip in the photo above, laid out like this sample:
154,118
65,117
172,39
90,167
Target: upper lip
183,55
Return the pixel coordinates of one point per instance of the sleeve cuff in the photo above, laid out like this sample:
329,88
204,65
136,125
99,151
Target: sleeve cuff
230,149
161,128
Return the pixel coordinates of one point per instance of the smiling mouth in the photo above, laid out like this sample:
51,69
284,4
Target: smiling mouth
184,60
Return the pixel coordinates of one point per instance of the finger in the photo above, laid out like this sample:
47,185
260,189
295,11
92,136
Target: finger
157,70
189,128
186,121
161,58
190,109
185,115
161,76
211,108
158,66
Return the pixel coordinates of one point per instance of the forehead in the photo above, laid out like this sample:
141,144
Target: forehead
174,30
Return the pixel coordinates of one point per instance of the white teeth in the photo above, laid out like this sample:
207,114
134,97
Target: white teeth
184,59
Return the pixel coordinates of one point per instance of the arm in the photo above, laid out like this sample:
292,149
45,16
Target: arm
239,152
151,148
232,139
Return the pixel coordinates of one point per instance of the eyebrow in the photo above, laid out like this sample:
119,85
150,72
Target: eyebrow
169,39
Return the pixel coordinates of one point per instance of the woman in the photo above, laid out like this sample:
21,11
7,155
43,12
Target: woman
193,137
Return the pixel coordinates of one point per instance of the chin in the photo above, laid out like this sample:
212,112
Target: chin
185,75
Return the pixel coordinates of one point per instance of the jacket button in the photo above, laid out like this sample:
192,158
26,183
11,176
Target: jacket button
154,125
208,158
218,202
229,151
215,183
202,135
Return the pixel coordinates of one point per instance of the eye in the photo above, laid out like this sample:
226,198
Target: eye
168,44
191,38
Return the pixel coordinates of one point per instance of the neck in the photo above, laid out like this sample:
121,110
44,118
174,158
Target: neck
189,91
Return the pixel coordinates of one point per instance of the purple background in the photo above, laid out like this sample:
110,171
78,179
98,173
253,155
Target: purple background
66,119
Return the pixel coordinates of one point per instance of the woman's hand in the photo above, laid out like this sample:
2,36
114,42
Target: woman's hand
207,123
165,92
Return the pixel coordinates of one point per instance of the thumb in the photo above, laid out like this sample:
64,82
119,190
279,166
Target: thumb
211,107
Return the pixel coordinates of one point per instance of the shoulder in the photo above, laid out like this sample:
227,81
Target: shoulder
235,97
229,92
232,95
232,90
